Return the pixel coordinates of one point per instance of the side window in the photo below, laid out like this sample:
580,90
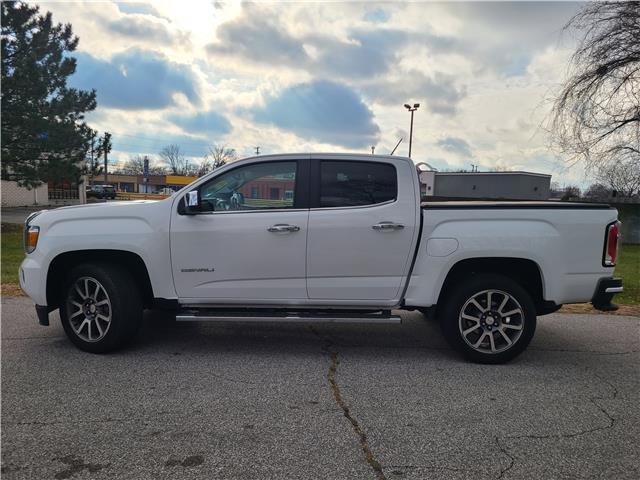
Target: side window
260,186
348,183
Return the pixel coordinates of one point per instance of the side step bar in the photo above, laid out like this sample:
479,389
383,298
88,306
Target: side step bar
382,317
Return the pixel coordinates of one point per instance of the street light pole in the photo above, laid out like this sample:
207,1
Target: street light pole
411,109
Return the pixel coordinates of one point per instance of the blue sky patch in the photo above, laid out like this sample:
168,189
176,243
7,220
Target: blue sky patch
207,123
134,80
324,111
376,15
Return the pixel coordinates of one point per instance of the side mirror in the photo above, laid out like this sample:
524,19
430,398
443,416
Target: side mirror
192,199
190,204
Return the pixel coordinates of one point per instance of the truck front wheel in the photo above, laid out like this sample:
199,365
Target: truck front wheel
102,307
489,318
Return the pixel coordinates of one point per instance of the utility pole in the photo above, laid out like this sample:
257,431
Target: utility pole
411,109
145,172
373,149
92,168
257,150
107,149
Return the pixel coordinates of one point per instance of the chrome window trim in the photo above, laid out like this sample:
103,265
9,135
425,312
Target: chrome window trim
352,207
266,210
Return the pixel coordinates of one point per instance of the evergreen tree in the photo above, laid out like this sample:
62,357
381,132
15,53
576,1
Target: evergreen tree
44,136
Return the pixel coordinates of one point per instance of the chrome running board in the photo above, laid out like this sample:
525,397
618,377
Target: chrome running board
382,317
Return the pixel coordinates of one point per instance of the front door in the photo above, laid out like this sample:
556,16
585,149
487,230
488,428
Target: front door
248,242
362,230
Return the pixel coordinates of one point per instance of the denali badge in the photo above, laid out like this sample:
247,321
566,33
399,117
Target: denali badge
198,270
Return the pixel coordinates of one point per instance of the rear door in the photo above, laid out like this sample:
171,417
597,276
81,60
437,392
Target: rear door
362,229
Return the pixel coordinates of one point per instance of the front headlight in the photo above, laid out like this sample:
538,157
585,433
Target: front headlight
31,234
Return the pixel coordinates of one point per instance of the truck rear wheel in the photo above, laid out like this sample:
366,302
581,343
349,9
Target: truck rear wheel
489,318
102,307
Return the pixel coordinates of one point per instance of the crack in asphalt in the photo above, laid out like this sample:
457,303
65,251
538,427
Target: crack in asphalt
610,423
337,395
512,460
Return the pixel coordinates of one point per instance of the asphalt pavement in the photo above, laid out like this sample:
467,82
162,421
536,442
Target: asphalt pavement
275,401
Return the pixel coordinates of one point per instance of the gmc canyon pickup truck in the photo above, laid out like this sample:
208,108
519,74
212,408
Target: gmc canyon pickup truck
319,238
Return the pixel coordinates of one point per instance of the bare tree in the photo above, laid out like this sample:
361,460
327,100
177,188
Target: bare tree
204,167
621,177
220,155
175,160
571,191
135,166
597,191
596,116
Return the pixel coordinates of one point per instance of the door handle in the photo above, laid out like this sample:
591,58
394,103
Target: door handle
387,226
283,227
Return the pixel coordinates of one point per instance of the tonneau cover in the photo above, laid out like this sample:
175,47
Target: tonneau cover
511,204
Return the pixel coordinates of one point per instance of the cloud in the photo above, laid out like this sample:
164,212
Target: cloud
439,93
442,94
135,79
455,145
259,39
141,28
504,37
324,111
208,123
365,54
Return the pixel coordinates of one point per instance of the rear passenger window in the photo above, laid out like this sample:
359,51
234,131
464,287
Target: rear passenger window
350,184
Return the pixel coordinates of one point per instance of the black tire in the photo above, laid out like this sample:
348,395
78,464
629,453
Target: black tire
124,310
491,323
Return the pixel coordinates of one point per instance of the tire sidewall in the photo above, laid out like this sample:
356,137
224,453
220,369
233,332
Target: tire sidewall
458,297
126,309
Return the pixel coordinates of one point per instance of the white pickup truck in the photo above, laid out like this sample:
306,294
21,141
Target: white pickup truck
319,238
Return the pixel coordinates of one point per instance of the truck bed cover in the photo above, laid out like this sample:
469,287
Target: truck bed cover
513,204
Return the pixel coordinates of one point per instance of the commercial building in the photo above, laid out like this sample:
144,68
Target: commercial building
486,185
155,184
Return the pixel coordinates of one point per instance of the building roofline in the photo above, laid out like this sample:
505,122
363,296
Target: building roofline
516,172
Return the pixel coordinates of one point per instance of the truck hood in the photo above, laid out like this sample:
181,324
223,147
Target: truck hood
112,210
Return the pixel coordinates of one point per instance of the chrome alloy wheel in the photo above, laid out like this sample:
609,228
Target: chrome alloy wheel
89,309
491,321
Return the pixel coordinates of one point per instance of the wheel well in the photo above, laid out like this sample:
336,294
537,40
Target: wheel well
64,262
523,271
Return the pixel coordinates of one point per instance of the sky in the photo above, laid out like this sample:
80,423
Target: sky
327,77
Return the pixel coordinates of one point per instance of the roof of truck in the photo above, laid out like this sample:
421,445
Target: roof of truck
326,155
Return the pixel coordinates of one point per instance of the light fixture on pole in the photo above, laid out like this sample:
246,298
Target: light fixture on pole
411,109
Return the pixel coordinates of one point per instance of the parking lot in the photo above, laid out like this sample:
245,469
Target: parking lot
330,402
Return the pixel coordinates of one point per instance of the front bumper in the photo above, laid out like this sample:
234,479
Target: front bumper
606,289
33,279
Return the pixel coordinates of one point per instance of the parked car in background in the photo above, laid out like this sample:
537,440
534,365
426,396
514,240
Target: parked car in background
320,238
101,191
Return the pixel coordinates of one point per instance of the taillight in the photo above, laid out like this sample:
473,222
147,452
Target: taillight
611,242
